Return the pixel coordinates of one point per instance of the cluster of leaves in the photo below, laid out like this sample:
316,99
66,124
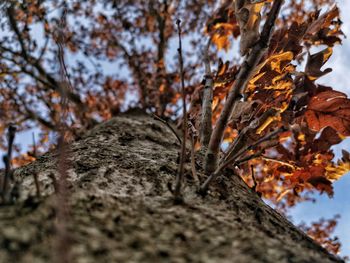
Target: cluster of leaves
320,231
119,55
301,160
318,116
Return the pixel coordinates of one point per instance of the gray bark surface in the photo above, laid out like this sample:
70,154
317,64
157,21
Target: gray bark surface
120,208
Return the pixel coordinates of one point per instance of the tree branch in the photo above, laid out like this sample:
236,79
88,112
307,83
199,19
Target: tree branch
245,73
242,160
169,126
7,161
36,62
240,141
206,125
180,175
193,162
161,17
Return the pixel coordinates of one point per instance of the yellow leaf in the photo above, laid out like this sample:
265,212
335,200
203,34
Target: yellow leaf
335,172
268,121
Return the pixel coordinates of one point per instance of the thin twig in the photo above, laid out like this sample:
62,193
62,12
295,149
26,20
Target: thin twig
168,125
54,182
240,141
206,121
255,144
161,18
247,70
257,154
235,162
277,161
7,160
234,159
62,251
53,83
179,177
193,162
37,185
255,184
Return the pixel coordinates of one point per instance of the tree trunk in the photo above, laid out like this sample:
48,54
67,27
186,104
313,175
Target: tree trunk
120,208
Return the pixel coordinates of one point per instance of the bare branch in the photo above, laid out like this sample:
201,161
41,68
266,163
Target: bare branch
278,161
255,144
255,155
37,185
238,162
193,162
240,141
36,62
206,125
30,114
7,161
13,24
255,184
161,17
179,177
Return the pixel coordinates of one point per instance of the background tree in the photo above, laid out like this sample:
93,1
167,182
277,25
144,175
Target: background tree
272,123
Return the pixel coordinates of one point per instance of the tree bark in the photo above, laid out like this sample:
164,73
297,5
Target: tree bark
120,208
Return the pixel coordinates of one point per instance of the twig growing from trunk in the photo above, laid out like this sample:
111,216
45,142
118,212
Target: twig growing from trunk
193,162
255,144
179,177
206,125
255,184
37,185
7,161
257,154
168,125
236,162
245,73
240,141
54,182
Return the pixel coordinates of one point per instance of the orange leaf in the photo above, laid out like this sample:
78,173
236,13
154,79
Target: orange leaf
329,108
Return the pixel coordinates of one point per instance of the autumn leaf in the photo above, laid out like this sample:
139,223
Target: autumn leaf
322,184
329,108
221,37
315,62
222,26
325,29
314,176
336,171
327,139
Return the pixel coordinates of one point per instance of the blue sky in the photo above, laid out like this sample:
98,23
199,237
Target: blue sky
324,207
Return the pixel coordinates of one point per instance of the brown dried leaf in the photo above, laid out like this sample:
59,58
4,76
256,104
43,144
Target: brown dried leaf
328,138
325,29
329,108
316,61
322,184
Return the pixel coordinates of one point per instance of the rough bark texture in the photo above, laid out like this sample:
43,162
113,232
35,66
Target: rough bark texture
121,210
